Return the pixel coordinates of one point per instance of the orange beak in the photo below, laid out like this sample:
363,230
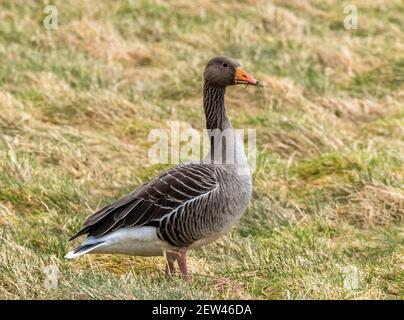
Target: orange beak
243,77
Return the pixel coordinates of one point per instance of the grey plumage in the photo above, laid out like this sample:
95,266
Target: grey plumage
152,201
191,204
185,204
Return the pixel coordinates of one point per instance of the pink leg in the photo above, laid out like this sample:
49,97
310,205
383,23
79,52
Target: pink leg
170,257
182,264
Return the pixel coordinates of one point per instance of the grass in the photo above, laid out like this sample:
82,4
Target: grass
78,103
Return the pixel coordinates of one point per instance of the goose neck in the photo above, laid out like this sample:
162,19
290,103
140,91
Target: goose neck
215,111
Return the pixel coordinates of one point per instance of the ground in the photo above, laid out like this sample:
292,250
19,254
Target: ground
78,102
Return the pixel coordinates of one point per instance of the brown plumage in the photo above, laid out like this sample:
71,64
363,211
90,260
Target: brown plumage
153,200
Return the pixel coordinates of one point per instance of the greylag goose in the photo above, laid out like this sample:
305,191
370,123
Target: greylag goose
189,205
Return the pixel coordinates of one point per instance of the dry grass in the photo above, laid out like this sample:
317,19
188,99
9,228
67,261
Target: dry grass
78,103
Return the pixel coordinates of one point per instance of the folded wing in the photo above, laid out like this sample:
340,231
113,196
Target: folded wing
161,198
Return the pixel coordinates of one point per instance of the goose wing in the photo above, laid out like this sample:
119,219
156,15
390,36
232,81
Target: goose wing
156,202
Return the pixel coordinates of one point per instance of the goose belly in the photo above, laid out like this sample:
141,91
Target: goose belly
227,215
213,236
136,241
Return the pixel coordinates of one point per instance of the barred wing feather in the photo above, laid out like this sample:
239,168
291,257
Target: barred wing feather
167,202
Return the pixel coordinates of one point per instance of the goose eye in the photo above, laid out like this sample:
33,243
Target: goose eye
225,65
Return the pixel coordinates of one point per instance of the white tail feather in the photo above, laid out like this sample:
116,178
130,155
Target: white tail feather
73,254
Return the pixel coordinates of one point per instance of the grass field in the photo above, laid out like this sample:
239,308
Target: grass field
77,104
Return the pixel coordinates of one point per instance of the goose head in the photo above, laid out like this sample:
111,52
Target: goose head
226,71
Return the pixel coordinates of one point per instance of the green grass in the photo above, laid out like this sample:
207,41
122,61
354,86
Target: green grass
77,105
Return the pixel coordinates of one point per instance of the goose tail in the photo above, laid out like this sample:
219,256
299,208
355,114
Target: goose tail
82,249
